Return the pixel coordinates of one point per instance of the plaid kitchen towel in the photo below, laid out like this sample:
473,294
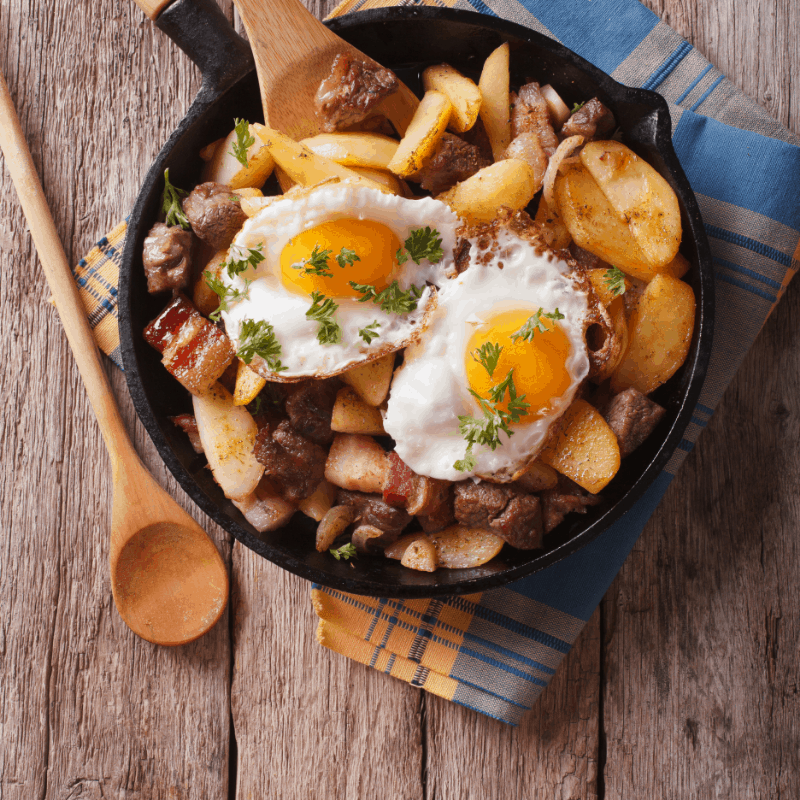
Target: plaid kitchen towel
494,652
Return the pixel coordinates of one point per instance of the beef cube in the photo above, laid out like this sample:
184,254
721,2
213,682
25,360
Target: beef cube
592,121
442,517
565,498
214,214
350,92
371,510
294,465
531,113
520,524
453,161
633,417
167,258
310,408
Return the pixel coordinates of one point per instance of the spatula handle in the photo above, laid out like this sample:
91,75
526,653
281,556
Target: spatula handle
59,276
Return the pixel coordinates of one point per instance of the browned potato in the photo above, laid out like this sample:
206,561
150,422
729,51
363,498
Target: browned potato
205,300
585,450
420,555
677,268
536,477
660,334
599,282
248,385
463,94
557,230
223,167
352,415
495,105
357,463
459,547
372,380
423,134
320,503
385,179
354,149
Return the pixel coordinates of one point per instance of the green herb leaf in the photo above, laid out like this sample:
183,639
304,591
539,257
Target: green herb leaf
243,141
615,280
171,204
468,463
369,332
227,294
488,356
534,324
577,107
317,264
346,552
392,299
258,339
401,256
422,243
322,310
241,258
347,258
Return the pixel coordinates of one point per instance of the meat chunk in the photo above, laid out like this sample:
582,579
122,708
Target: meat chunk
188,424
453,161
214,213
592,121
530,113
440,518
563,499
293,463
633,417
371,510
586,259
350,92
310,407
513,515
167,258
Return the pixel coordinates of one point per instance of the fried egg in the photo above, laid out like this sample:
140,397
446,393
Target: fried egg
340,219
490,304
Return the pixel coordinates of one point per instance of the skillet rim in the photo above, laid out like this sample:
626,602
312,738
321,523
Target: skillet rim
660,137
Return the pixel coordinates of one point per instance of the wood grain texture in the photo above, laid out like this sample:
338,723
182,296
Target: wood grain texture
684,686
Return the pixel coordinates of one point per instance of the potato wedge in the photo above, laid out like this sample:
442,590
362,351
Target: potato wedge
423,134
305,167
660,334
599,282
205,300
463,94
224,167
357,463
594,224
678,267
420,555
228,434
585,450
459,547
640,196
207,153
372,380
509,183
320,502
494,89
352,415
248,385
537,477
385,179
353,149
556,230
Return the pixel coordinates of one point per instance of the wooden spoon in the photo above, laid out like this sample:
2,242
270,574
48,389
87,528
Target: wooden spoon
168,580
294,51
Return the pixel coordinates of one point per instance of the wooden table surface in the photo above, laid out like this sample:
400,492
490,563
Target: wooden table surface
683,685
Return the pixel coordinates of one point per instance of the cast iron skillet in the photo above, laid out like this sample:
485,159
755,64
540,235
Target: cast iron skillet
406,40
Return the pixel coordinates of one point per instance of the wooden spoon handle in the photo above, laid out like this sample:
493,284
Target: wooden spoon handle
59,277
152,7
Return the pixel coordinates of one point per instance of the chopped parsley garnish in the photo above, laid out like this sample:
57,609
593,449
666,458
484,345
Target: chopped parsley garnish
468,463
421,243
258,339
346,552
577,107
241,258
369,332
346,258
534,324
171,204
244,140
487,356
227,294
615,281
317,264
392,299
322,310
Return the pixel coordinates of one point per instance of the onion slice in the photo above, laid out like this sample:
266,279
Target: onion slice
559,110
563,151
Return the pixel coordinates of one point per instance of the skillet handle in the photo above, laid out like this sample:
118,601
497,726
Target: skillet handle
203,32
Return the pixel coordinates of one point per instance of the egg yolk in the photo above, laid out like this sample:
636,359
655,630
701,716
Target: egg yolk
540,371
374,244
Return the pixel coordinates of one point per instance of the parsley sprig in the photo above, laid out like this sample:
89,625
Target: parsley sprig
346,552
535,324
171,203
258,339
244,140
487,356
392,299
241,258
369,332
227,294
421,243
317,264
577,107
346,258
615,280
322,311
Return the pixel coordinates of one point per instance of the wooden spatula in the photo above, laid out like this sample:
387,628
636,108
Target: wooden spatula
293,52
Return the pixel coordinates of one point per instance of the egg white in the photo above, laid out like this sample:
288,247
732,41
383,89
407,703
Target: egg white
431,389
275,225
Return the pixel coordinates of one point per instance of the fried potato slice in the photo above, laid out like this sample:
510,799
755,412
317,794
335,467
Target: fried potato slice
423,134
537,477
585,450
354,149
386,179
372,380
420,555
599,280
205,300
507,183
456,547
678,267
320,502
660,334
640,196
557,230
223,166
357,463
495,107
352,415
463,94
248,385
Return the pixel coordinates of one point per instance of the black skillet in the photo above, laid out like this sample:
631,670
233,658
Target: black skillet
406,40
